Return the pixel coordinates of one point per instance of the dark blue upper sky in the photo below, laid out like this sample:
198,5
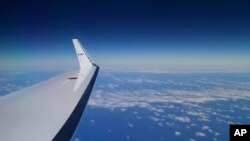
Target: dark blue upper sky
203,34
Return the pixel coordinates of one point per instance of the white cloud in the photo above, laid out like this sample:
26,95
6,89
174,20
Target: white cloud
112,86
179,118
216,134
128,137
123,109
177,133
160,124
92,121
201,115
183,119
170,124
144,98
169,98
130,124
138,117
200,134
205,127
156,119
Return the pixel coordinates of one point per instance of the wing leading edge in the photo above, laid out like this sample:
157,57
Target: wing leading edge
50,110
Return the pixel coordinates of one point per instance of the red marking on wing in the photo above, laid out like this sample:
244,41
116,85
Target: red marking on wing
72,78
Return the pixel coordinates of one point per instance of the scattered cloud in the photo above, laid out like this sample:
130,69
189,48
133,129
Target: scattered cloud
123,109
145,91
92,121
160,124
200,115
191,139
205,127
143,98
130,124
156,119
177,133
112,86
200,134
128,137
178,118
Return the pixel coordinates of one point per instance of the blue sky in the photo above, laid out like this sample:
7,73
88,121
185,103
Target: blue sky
141,35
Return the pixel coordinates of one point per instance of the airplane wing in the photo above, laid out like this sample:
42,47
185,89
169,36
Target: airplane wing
50,110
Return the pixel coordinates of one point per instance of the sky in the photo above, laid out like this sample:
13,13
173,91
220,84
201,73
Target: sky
138,35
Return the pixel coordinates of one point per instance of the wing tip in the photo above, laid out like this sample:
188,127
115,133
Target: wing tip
80,51
74,39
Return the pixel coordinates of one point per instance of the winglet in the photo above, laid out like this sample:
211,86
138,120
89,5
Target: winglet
82,55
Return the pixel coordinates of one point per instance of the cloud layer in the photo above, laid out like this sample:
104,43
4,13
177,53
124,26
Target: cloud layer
143,91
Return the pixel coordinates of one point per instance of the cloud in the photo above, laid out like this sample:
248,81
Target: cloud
205,127
128,137
112,86
156,119
123,109
201,115
178,118
176,133
159,97
200,134
160,124
130,124
145,98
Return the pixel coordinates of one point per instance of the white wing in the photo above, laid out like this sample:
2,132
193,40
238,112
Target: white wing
50,110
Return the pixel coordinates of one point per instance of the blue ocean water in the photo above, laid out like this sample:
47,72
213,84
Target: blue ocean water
153,106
